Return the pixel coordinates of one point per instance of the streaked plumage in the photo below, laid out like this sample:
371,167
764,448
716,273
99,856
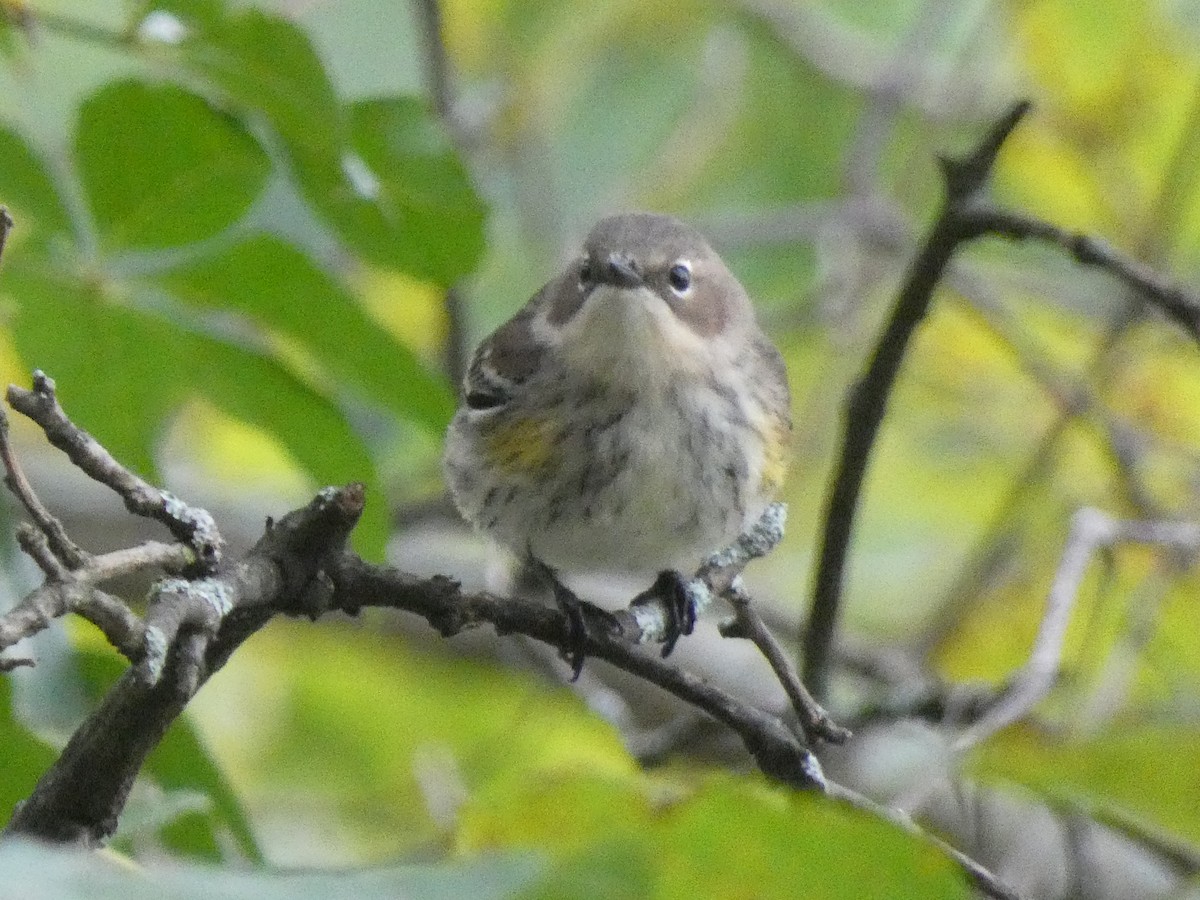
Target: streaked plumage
619,421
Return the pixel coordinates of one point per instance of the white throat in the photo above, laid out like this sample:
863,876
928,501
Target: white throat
627,334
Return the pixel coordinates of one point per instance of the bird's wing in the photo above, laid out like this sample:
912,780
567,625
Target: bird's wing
505,359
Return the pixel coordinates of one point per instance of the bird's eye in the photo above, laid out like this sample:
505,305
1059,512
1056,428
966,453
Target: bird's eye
587,272
680,277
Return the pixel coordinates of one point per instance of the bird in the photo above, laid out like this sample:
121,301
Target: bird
632,416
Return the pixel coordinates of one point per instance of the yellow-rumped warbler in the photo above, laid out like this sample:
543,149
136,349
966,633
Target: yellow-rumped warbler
631,416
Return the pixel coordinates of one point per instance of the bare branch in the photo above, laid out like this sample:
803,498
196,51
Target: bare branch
42,606
37,547
173,558
747,623
450,610
123,629
1173,300
192,627
82,794
456,350
965,216
76,592
300,567
965,179
1073,395
192,526
57,541
1090,530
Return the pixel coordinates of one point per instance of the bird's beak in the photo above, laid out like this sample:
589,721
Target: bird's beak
620,270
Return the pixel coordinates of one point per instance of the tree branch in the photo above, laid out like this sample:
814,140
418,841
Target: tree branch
82,794
1090,530
56,541
194,622
747,623
965,179
300,566
442,603
191,526
966,215
1173,300
72,574
456,348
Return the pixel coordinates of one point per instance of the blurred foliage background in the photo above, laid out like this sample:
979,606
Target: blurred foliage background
254,241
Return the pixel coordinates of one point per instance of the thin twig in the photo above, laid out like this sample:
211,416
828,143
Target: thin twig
75,591
67,591
1180,178
1072,395
965,179
55,599
174,558
1090,530
648,617
1172,299
59,543
191,525
965,217
37,547
747,623
1176,850
456,351
119,625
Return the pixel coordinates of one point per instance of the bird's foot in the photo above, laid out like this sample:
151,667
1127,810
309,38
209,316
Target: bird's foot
670,589
582,621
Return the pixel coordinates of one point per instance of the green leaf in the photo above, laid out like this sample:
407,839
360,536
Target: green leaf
122,371
382,172
1147,771
266,64
327,734
260,391
27,189
432,219
182,762
35,870
731,837
280,288
622,869
114,367
26,758
398,194
789,844
162,167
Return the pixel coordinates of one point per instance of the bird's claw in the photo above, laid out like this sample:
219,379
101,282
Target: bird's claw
577,613
670,589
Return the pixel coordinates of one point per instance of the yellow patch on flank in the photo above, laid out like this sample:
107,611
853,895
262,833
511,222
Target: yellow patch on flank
523,446
776,440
